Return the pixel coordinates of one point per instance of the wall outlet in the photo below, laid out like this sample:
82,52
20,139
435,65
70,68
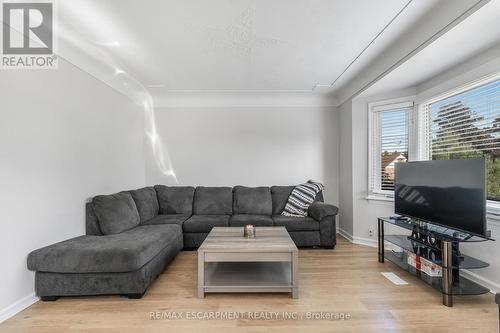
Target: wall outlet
370,232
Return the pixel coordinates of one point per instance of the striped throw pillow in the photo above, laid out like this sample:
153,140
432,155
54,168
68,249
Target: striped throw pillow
301,198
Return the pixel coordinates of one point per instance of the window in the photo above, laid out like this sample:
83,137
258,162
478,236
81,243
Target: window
465,124
389,143
460,124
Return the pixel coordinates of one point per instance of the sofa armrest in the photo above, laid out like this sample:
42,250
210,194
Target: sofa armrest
319,210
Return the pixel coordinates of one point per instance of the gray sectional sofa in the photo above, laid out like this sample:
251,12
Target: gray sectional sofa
132,236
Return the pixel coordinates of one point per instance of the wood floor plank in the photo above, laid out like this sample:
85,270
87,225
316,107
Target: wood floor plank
344,280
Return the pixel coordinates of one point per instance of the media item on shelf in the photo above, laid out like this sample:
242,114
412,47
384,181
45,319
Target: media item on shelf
423,265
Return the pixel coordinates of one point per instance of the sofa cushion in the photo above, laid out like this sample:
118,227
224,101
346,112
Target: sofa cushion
252,200
213,200
292,223
146,202
205,223
194,239
280,196
167,219
116,212
124,252
175,199
241,220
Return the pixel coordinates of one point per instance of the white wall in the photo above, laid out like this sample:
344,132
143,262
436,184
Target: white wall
346,171
64,137
251,146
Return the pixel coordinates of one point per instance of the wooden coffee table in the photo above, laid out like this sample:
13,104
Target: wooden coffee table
228,262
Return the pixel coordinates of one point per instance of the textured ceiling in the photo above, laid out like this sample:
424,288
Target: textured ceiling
239,45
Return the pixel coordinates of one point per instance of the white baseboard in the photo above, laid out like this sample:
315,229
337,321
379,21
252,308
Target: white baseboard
494,287
357,240
17,307
345,234
365,241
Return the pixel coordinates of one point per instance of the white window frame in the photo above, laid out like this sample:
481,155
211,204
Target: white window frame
374,130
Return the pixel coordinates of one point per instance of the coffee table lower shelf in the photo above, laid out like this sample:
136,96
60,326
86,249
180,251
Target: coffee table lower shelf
247,277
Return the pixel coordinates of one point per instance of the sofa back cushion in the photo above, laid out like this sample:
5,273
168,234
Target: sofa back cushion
116,212
175,199
91,222
213,200
146,202
252,200
280,196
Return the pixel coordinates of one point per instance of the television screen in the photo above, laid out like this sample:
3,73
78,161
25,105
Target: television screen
451,193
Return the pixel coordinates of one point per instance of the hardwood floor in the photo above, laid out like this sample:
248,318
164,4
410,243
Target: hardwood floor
345,280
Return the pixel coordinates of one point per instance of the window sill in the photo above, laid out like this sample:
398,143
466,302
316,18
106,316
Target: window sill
380,197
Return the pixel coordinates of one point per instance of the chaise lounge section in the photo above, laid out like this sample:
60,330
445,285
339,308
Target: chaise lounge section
131,236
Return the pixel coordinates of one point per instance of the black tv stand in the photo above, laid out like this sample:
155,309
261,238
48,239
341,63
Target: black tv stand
439,245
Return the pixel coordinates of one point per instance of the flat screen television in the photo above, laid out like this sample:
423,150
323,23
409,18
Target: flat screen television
451,193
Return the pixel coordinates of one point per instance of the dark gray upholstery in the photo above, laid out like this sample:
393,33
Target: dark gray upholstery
305,238
296,223
115,212
497,298
167,219
213,201
205,223
241,220
132,236
252,200
175,199
320,210
146,202
124,252
135,282
91,222
193,240
328,231
280,196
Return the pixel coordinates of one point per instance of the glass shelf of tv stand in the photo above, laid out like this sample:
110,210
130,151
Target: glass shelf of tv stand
460,285
406,243
443,233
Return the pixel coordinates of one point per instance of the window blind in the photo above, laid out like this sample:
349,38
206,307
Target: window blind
388,145
463,125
